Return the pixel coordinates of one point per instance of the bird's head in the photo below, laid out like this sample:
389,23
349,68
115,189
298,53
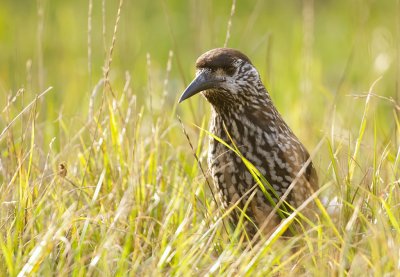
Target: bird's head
223,75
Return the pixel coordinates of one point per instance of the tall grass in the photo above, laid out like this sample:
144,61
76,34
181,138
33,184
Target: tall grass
108,182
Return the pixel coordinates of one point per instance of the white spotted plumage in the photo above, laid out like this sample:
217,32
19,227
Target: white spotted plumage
244,116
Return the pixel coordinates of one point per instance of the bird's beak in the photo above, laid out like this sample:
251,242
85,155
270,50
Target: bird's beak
203,81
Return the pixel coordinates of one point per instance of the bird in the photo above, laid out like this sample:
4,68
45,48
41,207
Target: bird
243,117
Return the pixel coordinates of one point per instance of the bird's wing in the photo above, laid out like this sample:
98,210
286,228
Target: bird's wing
288,153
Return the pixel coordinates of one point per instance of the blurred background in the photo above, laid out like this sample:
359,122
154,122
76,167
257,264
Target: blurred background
102,178
312,56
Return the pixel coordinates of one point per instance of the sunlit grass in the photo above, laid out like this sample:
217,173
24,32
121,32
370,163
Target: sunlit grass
114,184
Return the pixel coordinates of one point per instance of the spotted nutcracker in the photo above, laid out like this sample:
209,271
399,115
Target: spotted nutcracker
244,117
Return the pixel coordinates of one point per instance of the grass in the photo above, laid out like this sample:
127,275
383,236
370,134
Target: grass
99,177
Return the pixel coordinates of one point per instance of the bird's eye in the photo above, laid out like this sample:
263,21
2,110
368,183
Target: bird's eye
230,70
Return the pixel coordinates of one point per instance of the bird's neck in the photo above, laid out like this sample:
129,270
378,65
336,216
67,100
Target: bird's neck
226,104
235,114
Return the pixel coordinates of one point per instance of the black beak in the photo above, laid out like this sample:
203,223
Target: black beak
205,80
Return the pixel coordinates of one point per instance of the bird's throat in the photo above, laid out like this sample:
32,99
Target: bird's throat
222,100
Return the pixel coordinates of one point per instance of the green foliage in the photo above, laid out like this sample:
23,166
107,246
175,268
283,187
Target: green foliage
98,177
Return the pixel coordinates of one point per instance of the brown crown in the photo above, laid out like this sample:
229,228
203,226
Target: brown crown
220,58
